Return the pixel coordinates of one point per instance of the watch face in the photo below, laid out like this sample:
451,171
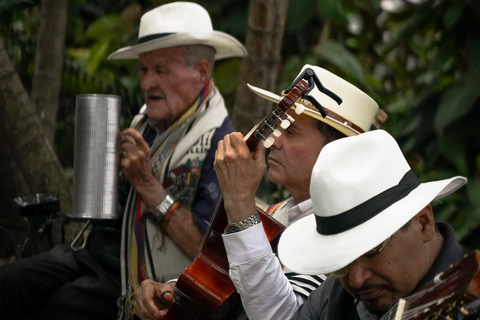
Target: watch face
233,227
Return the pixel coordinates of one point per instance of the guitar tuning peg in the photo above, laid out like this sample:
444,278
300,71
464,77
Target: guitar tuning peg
285,124
290,118
277,133
299,108
269,142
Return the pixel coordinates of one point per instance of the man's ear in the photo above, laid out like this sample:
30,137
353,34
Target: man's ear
427,221
203,69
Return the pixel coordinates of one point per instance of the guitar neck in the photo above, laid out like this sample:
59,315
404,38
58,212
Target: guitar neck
273,120
444,296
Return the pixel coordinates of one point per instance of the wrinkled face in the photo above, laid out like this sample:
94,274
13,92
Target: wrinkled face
294,153
169,86
381,280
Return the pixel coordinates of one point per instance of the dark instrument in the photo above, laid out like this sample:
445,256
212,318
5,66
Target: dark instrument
447,296
39,204
204,290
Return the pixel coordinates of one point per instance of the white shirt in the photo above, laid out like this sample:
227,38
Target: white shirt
264,288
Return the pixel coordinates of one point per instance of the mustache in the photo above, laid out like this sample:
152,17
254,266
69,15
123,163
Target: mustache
152,94
371,287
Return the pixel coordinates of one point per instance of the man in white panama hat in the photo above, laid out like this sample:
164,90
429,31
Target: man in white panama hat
290,160
373,232
169,190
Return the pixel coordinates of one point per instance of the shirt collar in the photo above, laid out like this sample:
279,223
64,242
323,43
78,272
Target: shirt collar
295,209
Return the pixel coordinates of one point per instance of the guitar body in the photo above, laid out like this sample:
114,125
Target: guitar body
204,290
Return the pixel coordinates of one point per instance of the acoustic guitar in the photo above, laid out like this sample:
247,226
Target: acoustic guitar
447,296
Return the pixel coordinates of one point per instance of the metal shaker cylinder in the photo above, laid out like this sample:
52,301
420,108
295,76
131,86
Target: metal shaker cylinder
96,156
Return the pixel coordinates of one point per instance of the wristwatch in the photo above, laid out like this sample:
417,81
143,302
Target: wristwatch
233,227
165,205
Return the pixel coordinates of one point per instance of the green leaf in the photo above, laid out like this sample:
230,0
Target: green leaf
99,52
79,53
455,103
332,10
335,53
453,14
299,14
453,149
473,190
107,27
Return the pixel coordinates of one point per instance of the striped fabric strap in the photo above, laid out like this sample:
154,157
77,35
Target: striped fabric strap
304,284
272,208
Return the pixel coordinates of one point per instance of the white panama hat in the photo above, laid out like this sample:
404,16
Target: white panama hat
352,117
362,191
179,24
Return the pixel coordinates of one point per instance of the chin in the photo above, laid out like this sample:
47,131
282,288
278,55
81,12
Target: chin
378,309
274,176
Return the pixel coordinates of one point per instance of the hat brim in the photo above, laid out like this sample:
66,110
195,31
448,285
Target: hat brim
302,249
225,45
348,131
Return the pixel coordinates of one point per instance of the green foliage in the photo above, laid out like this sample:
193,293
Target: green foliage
337,54
458,100
420,63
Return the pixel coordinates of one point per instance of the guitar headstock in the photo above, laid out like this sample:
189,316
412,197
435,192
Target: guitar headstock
277,118
295,95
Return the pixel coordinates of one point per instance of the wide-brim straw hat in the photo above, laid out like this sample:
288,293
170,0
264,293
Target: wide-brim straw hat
352,117
179,24
362,191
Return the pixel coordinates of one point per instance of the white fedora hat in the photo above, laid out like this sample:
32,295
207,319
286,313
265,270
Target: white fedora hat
363,191
353,116
179,24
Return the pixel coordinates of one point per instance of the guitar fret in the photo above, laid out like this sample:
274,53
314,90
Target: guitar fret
400,308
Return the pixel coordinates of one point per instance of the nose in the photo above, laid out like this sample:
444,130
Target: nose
148,81
278,143
357,275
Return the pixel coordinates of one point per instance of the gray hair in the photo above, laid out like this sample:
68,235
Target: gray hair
195,53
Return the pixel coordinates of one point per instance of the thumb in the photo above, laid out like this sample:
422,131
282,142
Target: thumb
259,153
166,296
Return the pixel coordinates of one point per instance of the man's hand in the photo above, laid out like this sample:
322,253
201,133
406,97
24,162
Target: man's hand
135,157
135,163
239,172
153,299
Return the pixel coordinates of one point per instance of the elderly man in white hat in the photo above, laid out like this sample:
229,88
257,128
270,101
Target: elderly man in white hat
373,232
265,291
170,187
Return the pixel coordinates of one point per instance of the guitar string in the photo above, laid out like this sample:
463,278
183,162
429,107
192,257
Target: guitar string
437,282
413,297
410,314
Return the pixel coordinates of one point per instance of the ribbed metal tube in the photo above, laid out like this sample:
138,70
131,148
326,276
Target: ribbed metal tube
96,156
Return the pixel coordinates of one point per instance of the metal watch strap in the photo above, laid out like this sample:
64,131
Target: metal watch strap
252,220
165,205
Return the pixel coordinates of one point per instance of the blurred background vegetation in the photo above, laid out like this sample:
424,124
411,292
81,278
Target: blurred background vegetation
419,60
